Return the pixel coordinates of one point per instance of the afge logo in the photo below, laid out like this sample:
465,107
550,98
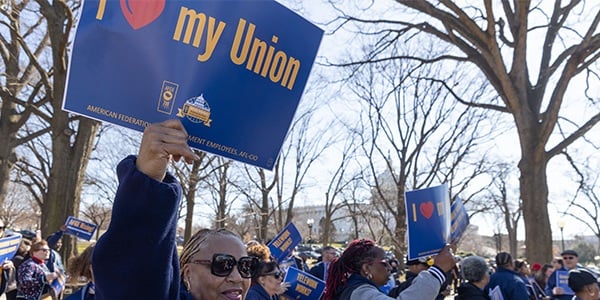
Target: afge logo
197,110
138,13
166,101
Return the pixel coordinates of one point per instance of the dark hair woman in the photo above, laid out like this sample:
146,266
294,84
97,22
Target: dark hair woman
358,272
267,282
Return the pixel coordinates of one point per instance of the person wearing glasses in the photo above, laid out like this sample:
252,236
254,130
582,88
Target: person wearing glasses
267,283
570,260
320,269
362,268
214,263
33,276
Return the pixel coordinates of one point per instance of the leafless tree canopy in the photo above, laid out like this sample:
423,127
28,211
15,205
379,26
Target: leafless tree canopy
537,55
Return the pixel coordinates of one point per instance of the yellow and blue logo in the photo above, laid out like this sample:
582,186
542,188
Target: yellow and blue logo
197,110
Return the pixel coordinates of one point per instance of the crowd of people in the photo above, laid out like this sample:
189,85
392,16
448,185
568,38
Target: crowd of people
36,271
217,264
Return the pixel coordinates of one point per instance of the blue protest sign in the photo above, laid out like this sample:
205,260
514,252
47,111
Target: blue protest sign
232,71
459,222
288,262
303,286
9,246
283,244
58,284
428,218
80,228
562,281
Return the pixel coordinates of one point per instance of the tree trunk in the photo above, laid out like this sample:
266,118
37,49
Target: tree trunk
71,148
534,193
399,239
7,160
190,196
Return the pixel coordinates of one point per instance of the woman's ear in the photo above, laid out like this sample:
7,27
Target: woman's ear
185,270
364,269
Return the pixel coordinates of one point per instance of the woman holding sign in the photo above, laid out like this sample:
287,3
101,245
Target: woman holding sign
362,268
33,277
214,263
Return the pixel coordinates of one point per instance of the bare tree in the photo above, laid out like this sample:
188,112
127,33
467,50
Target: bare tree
190,177
305,144
222,192
412,137
340,184
23,39
585,204
99,214
500,41
113,144
507,208
34,46
259,184
20,210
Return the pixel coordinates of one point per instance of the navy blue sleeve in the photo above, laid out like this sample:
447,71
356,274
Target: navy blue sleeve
518,290
136,258
53,239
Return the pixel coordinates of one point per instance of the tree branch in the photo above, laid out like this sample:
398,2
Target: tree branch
570,139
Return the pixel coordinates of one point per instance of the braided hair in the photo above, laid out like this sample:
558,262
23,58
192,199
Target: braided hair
200,240
350,262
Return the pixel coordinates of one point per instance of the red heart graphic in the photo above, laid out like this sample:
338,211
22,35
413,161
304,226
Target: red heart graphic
426,209
140,13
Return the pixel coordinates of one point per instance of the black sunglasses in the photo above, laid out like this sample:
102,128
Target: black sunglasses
278,275
222,265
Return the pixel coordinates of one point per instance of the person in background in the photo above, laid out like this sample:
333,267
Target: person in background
415,266
535,267
584,284
267,283
476,273
557,263
261,251
320,269
522,268
55,261
7,269
362,268
20,256
539,280
510,283
33,276
81,267
300,261
570,260
213,264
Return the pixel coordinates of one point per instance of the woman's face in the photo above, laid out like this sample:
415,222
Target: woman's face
379,269
271,281
42,253
203,285
525,269
549,272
